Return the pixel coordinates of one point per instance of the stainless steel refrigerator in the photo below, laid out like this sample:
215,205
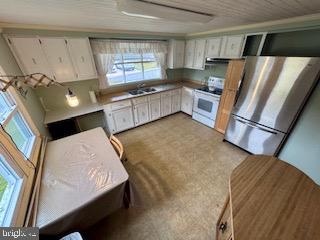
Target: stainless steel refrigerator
271,96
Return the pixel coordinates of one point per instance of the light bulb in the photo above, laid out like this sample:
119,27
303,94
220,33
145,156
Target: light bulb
72,99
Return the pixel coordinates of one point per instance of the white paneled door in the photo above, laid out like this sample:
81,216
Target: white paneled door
58,58
81,55
29,55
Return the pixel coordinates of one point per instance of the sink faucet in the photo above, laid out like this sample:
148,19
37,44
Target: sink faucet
141,85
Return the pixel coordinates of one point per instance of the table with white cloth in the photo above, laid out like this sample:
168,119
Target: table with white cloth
83,180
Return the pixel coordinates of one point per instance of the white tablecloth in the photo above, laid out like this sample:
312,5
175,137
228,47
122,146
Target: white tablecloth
83,180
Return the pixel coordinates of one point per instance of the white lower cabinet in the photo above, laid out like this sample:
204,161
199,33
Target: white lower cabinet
127,114
165,104
141,113
119,116
175,101
187,100
155,109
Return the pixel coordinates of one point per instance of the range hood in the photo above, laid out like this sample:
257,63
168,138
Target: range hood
152,10
214,61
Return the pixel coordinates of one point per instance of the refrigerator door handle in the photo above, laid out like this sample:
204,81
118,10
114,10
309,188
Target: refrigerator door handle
253,125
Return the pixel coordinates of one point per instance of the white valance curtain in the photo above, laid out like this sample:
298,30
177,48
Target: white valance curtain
104,52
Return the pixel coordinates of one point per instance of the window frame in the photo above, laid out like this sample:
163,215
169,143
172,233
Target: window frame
142,61
25,171
34,147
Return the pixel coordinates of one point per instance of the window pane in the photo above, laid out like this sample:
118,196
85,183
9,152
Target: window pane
6,106
147,57
10,185
117,75
151,70
133,72
118,58
20,133
132,57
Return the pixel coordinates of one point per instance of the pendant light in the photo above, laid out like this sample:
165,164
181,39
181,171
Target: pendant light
72,99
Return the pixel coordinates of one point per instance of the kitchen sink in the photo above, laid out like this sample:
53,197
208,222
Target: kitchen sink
149,89
136,92
142,90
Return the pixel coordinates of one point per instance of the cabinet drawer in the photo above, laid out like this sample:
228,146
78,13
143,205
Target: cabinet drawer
224,228
119,105
166,94
139,100
175,92
154,96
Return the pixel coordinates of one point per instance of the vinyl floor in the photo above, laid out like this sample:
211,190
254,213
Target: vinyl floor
180,171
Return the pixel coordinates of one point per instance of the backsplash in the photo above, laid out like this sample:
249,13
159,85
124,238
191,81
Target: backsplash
53,98
218,70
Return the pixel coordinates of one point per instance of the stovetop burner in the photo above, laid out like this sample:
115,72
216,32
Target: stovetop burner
217,91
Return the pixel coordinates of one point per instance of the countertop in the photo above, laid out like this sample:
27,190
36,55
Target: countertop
114,97
67,113
272,200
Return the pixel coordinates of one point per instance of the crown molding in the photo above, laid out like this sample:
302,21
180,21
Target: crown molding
4,25
279,23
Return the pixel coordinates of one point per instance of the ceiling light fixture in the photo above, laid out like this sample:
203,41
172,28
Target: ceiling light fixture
148,9
139,15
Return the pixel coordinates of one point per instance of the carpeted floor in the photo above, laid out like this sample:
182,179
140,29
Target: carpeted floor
180,170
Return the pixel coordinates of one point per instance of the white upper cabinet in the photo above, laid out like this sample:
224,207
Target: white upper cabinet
62,59
81,55
195,54
189,53
199,56
232,46
213,47
58,58
176,54
29,55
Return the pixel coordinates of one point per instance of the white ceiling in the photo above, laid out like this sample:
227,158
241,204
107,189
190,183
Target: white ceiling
103,14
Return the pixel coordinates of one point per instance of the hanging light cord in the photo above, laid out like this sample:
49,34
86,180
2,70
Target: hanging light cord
17,146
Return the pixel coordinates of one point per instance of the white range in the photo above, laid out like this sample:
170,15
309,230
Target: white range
206,101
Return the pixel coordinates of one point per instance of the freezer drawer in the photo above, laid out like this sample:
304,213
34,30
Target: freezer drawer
252,137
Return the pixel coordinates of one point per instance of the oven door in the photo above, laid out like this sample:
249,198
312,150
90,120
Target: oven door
206,104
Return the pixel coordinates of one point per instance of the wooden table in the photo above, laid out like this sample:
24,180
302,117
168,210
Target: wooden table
270,200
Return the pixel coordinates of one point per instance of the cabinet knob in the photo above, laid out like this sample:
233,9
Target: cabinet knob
123,120
34,61
82,59
223,226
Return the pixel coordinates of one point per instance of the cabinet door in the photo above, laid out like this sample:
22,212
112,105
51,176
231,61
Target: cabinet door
213,47
29,55
179,54
82,59
123,119
189,53
58,58
233,78
199,54
165,105
141,113
176,101
233,46
154,109
187,100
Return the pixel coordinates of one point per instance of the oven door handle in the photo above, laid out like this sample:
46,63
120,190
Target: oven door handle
253,125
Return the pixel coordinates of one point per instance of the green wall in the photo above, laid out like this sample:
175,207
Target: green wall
302,149
201,76
31,102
